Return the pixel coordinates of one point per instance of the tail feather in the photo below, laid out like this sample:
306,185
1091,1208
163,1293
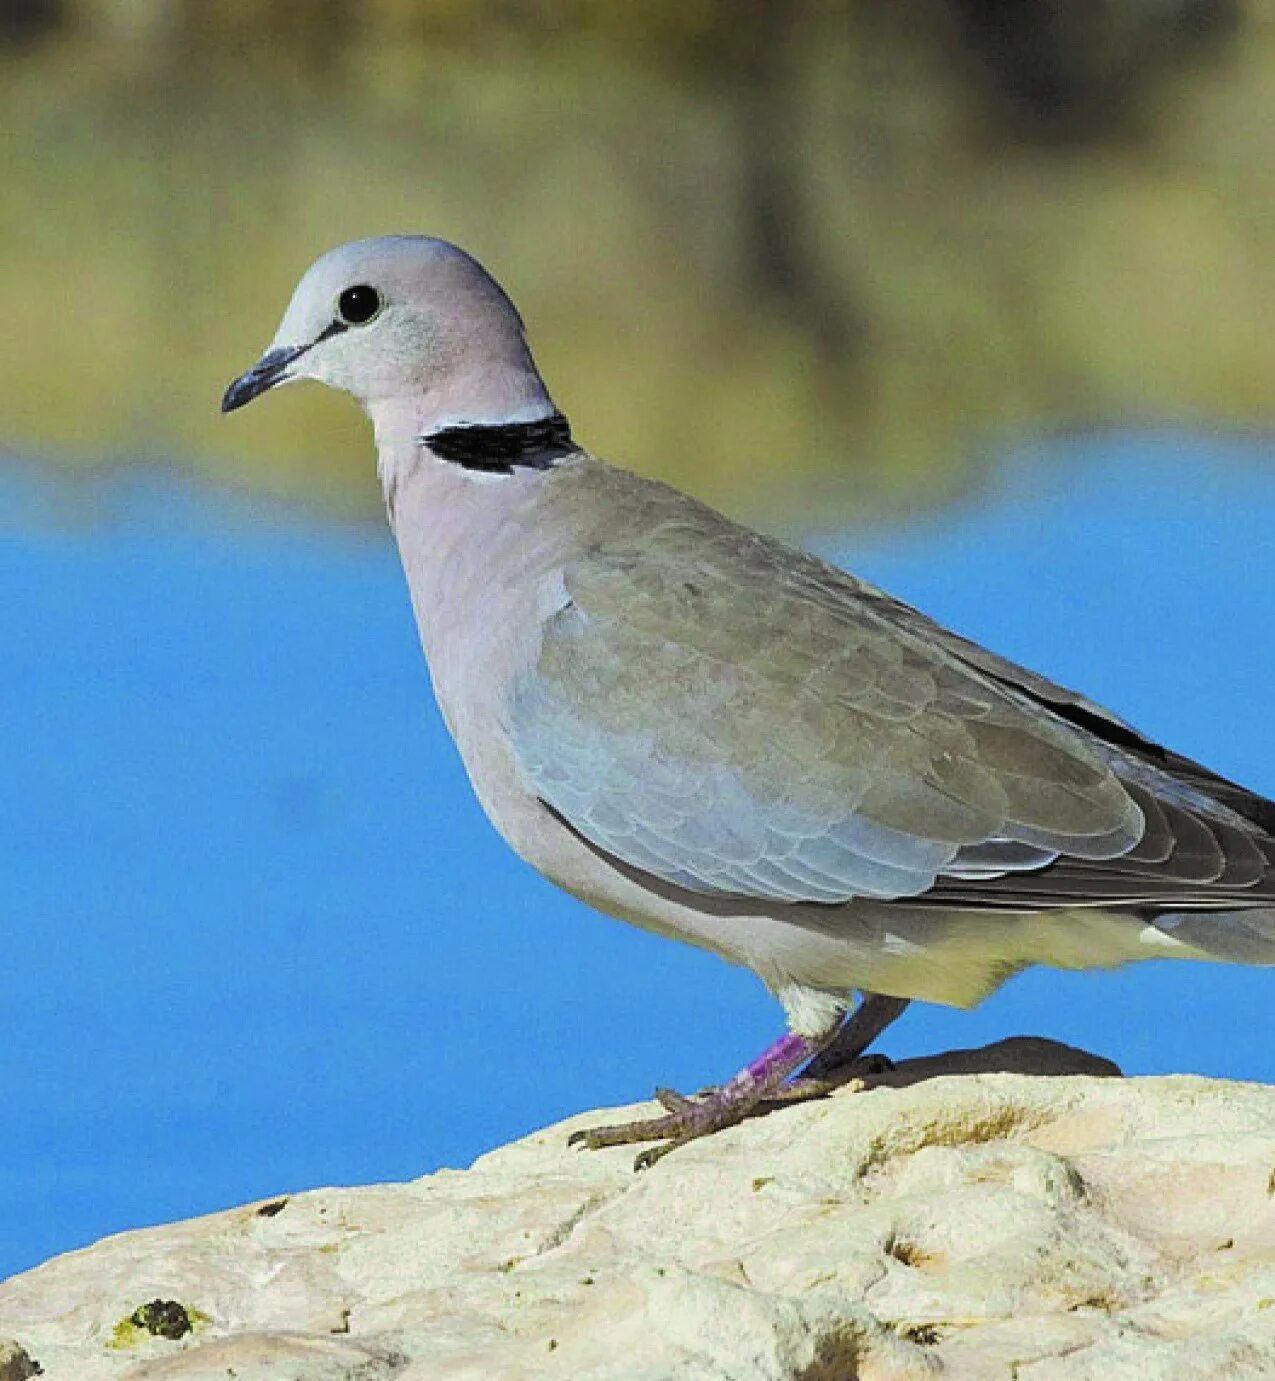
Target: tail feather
1231,937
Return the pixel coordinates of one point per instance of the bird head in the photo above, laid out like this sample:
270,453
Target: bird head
403,317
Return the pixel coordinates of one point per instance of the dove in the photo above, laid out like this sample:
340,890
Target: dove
700,730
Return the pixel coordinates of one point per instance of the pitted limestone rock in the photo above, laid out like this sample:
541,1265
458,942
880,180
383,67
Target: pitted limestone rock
978,1226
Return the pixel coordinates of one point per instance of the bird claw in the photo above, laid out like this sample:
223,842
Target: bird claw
645,1159
625,1133
672,1101
686,1120
838,1075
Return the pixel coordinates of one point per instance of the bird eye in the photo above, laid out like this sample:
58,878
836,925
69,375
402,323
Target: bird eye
357,306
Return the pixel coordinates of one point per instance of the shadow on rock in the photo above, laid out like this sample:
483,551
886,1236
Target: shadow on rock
1034,1055
1014,1055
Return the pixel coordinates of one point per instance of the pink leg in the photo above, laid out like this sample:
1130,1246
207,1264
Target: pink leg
859,1030
842,1061
690,1118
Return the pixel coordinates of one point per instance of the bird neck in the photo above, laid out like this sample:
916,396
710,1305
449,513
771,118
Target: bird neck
498,448
474,548
486,422
491,393
450,486
490,414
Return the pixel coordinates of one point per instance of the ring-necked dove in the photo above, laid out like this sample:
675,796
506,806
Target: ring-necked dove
707,733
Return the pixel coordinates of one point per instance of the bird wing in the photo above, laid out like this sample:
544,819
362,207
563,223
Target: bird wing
735,717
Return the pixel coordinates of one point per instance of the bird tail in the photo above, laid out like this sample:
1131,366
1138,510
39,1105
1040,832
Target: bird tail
1229,937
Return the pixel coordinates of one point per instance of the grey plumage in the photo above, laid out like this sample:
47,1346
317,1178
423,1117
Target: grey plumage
841,746
705,732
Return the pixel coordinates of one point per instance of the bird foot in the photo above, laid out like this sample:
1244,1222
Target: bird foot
843,1057
860,1068
688,1119
685,1120
850,1077
803,1090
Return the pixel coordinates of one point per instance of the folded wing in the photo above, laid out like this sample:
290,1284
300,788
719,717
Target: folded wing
733,717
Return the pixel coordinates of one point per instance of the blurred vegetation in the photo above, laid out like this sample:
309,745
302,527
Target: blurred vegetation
775,251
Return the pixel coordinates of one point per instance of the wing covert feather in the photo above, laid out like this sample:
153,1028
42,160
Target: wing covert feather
735,717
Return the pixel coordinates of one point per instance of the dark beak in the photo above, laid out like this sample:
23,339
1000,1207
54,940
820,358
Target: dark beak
269,370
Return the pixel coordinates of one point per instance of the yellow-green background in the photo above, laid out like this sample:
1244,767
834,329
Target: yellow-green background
811,256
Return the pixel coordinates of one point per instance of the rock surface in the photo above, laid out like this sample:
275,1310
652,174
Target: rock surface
971,1225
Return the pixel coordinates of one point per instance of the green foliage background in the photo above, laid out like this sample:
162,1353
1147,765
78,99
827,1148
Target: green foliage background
772,250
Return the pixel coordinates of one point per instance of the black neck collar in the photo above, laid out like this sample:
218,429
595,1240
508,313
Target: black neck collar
497,447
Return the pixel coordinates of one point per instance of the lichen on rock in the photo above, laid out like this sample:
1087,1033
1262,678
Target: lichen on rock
158,1318
16,1363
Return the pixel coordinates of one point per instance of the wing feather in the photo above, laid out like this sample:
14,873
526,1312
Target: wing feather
732,729
735,717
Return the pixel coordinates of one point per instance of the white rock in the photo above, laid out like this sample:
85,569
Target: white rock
978,1226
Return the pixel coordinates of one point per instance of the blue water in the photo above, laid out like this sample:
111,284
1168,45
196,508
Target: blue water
256,935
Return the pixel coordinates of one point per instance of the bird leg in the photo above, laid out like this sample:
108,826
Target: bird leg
873,1014
841,1063
687,1119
